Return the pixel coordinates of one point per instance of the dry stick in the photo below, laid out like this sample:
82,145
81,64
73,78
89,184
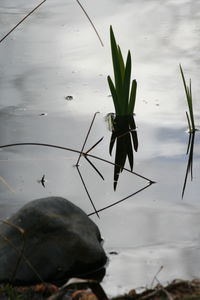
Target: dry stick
155,293
160,287
1,40
169,296
23,256
21,230
85,187
7,185
155,276
85,155
125,198
90,22
98,172
75,151
111,163
20,252
94,145
86,138
32,11
19,258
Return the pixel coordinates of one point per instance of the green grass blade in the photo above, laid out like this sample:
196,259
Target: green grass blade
188,92
114,95
189,123
191,106
126,84
121,62
183,77
131,104
123,98
116,64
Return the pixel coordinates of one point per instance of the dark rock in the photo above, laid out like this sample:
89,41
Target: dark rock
50,240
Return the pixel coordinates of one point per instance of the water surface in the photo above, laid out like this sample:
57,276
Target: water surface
54,54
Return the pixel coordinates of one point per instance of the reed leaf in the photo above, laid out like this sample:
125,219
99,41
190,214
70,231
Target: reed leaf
126,84
132,100
188,93
189,123
121,62
124,99
114,95
116,63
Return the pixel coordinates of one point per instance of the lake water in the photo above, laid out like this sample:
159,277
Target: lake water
54,54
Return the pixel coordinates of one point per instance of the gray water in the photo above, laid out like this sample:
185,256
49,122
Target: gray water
54,54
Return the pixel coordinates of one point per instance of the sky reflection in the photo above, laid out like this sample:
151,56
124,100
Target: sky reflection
55,54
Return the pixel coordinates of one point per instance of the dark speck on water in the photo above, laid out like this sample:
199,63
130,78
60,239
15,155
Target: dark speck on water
69,98
113,253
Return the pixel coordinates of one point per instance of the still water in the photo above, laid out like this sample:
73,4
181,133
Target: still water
55,54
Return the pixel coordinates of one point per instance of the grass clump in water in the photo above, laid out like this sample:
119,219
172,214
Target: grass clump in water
123,93
188,93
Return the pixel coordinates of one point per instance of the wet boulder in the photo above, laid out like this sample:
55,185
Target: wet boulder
49,240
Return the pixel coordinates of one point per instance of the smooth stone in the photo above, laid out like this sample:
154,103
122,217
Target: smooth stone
59,242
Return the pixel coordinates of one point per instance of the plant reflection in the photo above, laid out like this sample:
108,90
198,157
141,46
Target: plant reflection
150,182
87,191
123,199
190,150
124,134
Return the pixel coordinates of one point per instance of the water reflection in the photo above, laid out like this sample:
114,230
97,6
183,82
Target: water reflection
170,32
124,134
189,169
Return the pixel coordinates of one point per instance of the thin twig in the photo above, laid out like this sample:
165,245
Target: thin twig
32,11
7,185
85,187
90,22
75,151
111,163
20,252
86,138
94,145
121,200
155,276
40,144
94,167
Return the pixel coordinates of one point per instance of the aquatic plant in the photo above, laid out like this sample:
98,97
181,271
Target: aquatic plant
123,97
188,93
